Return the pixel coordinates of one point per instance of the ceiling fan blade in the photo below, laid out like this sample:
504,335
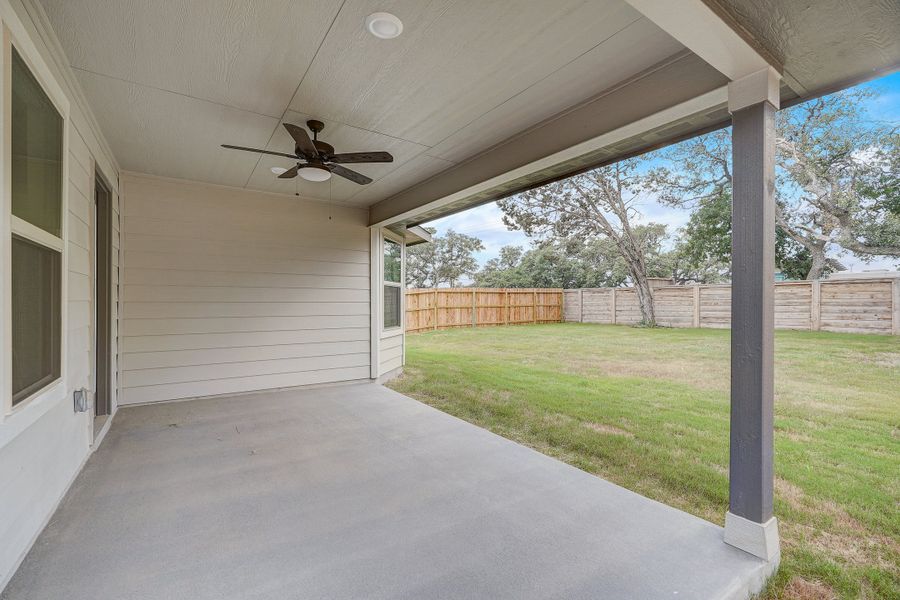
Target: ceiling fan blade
348,174
289,174
229,146
303,142
362,157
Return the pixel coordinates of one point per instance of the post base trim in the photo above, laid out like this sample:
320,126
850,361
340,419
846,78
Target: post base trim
758,539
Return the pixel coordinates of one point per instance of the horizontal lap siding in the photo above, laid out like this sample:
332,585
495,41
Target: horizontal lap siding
390,353
228,291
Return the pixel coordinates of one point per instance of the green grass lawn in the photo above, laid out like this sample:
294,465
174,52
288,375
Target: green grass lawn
648,410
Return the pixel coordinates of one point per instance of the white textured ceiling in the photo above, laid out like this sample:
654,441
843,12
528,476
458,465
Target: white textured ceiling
171,80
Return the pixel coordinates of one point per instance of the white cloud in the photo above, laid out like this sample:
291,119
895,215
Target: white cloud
486,223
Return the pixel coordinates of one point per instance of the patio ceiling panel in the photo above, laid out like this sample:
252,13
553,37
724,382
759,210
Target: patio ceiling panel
454,62
242,54
163,133
466,79
601,68
171,82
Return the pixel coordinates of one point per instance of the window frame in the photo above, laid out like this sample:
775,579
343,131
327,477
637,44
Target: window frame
37,401
386,237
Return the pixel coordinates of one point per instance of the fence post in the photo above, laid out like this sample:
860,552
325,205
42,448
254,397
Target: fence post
435,309
505,306
895,306
581,305
533,306
473,308
696,305
562,305
613,306
815,306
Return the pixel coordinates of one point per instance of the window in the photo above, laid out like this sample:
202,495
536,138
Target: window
36,277
393,288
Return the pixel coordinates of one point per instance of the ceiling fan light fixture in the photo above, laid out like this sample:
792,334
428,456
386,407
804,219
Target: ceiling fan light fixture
384,25
278,170
312,173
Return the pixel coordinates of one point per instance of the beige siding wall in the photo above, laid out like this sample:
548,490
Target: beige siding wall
227,290
390,354
44,443
81,275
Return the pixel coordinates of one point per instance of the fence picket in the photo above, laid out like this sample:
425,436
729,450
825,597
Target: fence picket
489,306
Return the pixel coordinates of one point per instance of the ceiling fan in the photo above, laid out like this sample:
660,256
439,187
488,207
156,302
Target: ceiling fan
316,160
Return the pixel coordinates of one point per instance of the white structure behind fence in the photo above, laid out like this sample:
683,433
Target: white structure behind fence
864,305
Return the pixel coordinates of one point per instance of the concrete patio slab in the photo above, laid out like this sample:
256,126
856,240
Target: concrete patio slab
357,491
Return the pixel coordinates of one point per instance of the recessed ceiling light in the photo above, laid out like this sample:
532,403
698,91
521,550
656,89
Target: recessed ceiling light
384,25
278,170
312,173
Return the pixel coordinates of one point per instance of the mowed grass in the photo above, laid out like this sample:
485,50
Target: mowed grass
648,410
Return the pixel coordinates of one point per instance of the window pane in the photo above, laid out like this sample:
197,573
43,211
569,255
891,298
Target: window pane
391,306
392,257
37,133
35,317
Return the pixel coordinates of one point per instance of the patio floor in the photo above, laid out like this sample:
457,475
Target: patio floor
356,491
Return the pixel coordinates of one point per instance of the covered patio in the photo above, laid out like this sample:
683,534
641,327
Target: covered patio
356,491
185,271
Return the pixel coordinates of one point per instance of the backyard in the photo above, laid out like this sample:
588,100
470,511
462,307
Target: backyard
648,409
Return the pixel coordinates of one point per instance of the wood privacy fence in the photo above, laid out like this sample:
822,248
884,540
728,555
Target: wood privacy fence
443,308
862,305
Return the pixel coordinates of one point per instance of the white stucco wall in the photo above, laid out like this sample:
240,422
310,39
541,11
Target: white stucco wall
228,290
43,442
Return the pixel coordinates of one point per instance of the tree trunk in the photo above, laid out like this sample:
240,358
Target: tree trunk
637,269
819,262
645,301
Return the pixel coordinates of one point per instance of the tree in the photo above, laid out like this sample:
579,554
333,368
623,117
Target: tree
422,263
704,252
599,204
833,165
836,186
445,260
573,263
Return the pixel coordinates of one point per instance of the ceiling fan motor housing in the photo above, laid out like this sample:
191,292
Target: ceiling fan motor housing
323,148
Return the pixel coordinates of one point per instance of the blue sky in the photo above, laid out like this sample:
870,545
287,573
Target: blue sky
486,222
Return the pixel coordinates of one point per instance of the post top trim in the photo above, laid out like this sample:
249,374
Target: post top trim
760,86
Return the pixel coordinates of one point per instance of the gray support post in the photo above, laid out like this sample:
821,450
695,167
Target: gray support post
749,523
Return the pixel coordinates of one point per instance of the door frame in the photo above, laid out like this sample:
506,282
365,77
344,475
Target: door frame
102,293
